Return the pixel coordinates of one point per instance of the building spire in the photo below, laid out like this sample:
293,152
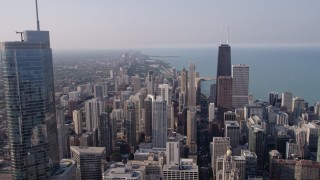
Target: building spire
228,36
38,24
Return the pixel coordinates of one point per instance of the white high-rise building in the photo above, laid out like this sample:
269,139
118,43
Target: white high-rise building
286,100
211,112
220,145
93,109
159,122
191,88
77,121
240,85
165,91
173,152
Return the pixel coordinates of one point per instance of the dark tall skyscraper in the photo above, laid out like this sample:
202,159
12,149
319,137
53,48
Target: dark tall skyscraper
224,82
105,132
29,94
224,61
224,97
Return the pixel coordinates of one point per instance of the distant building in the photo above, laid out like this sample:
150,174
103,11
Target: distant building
273,97
211,112
286,100
230,167
77,121
240,85
294,169
150,83
119,171
224,96
192,130
192,83
90,161
251,163
136,81
186,169
159,122
220,145
66,171
298,106
105,133
93,109
232,130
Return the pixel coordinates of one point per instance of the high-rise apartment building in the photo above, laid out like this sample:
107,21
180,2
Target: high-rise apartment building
105,132
159,122
211,112
165,91
273,97
93,109
298,106
192,130
148,118
232,130
136,81
184,80
90,161
220,145
286,100
192,83
150,83
30,105
77,121
240,85
130,123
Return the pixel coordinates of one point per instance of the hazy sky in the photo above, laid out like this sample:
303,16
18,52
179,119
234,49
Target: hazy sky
150,23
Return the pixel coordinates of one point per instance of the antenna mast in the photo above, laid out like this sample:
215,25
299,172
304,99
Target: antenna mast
228,36
38,24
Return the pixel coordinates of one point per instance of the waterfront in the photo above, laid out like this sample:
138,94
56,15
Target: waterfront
277,68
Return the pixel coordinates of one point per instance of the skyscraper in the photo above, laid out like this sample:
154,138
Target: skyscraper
286,100
192,130
184,80
192,83
77,121
224,82
298,105
93,108
29,94
224,96
148,118
159,122
224,61
240,85
150,83
105,133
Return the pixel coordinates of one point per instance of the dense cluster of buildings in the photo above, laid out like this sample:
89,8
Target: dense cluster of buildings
146,125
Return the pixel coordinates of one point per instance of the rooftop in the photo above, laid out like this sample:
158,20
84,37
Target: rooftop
88,149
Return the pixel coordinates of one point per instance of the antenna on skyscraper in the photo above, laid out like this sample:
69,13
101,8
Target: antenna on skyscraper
228,36
220,33
38,24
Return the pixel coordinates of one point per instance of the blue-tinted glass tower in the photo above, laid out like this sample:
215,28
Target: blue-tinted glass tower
29,95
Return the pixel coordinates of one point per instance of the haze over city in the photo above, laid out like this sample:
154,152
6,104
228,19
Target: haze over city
134,24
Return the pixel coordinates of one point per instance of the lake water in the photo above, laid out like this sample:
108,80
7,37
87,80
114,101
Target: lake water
279,69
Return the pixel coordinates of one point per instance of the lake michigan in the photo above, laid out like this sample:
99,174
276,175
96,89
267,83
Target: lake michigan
272,68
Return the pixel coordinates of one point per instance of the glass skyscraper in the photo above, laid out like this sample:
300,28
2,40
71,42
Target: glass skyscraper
29,95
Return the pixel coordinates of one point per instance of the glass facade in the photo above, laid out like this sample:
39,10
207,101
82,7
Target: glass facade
29,95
